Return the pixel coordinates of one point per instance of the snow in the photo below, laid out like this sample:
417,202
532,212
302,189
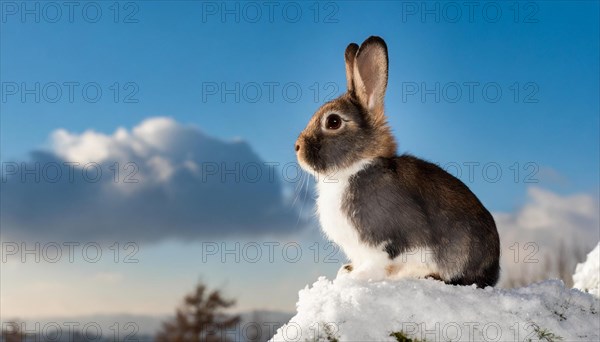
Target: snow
587,274
347,309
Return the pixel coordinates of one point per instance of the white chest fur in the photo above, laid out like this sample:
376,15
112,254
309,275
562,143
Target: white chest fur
336,223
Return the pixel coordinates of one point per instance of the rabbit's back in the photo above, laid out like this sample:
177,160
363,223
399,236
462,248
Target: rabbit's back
410,206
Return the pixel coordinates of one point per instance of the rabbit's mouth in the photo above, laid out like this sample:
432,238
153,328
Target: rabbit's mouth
313,162
306,167
310,155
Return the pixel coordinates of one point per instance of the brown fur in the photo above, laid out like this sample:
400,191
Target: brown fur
365,133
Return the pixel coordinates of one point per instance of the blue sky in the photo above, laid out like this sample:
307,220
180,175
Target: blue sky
170,53
545,61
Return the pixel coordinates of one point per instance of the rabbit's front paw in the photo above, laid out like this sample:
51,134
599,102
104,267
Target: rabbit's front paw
345,270
369,272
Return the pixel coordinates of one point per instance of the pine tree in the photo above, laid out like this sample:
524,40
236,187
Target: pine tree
200,319
11,332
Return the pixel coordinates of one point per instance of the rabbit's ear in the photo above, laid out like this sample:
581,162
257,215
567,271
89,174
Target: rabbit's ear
370,75
350,56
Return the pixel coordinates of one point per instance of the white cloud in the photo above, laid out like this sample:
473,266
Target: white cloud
85,148
180,188
154,141
551,210
547,236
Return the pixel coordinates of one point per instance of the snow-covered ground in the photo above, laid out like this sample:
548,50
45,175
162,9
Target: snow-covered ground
428,310
587,274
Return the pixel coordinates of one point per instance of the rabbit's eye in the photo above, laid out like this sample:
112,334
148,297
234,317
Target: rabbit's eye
333,122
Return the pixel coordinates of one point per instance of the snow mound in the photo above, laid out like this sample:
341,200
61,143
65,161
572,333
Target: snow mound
428,310
587,274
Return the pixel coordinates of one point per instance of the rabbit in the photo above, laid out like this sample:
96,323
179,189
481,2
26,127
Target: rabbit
393,216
